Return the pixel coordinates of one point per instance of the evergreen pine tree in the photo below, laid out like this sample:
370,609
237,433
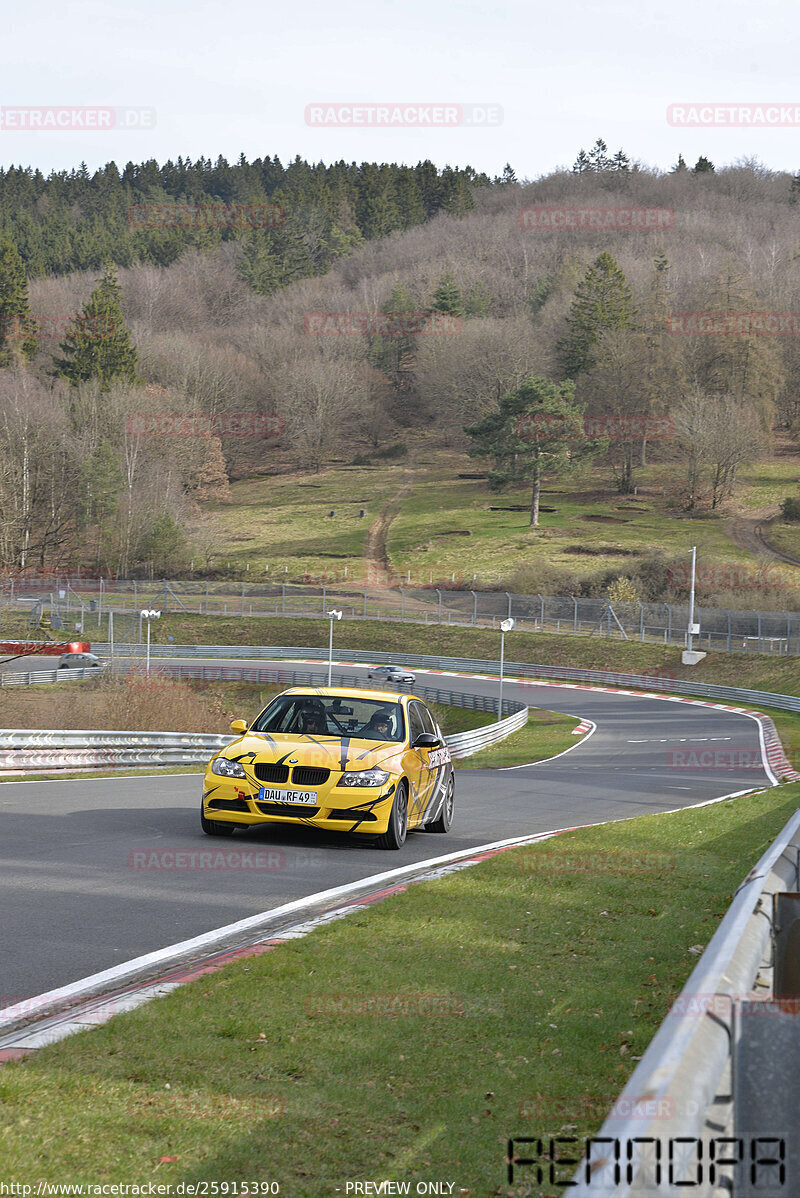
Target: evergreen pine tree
603,301
17,340
703,166
447,297
97,344
679,166
537,428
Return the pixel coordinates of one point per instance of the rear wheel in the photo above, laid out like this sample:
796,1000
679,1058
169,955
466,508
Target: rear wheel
214,827
444,821
395,835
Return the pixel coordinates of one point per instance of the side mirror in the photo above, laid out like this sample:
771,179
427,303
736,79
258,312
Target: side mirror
426,740
239,726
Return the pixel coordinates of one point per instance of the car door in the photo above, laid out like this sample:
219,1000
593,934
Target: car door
418,770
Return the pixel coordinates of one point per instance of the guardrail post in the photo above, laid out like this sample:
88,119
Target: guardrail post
541,613
641,621
574,613
669,623
283,598
365,603
729,632
402,604
474,607
323,598
439,593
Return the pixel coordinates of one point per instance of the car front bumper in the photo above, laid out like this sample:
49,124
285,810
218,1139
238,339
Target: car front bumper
364,809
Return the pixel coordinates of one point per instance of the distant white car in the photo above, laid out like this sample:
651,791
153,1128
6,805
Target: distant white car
391,674
80,661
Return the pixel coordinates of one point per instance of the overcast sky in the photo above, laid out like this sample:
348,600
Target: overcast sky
545,79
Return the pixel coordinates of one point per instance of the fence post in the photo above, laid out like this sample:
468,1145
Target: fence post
206,596
365,603
283,598
439,593
402,604
242,598
729,632
541,616
574,614
641,621
669,622
508,613
323,598
474,607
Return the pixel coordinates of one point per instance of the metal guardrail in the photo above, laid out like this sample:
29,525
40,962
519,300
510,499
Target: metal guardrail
58,749
683,1085
32,677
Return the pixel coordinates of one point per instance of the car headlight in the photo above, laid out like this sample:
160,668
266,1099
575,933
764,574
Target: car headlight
364,778
227,768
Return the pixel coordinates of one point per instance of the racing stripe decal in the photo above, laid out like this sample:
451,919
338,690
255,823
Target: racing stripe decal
345,749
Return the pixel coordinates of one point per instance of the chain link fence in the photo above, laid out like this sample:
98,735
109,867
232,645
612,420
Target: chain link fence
83,605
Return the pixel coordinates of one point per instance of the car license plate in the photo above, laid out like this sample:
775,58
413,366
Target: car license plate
267,795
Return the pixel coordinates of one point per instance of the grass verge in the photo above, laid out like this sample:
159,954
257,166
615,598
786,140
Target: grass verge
407,1042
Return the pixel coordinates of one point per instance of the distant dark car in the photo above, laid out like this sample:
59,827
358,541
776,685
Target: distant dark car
391,674
80,661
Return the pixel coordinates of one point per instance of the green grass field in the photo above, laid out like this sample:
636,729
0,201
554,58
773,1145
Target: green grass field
444,527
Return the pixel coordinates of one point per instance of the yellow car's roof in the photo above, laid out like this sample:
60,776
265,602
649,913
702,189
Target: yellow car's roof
347,691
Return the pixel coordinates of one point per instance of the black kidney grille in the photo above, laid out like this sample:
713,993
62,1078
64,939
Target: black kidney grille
309,775
270,771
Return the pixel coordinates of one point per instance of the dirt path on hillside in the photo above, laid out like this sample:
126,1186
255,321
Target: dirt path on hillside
750,531
746,531
378,568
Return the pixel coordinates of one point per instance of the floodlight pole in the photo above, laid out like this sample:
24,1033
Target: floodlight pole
333,614
505,626
691,602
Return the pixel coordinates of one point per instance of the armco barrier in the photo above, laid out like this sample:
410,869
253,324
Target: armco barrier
681,1092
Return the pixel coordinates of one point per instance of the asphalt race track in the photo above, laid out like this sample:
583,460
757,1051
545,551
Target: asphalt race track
74,901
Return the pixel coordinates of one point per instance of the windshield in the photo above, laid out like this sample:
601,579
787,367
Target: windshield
333,715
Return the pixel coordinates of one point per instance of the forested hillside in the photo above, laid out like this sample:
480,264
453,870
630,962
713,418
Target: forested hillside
476,298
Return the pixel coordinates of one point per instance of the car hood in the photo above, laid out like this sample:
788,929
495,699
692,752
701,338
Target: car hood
333,753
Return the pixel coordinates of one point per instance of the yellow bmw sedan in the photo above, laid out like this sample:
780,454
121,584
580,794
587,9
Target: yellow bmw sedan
364,761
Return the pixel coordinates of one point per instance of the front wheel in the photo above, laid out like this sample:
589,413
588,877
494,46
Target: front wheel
444,821
395,835
214,827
